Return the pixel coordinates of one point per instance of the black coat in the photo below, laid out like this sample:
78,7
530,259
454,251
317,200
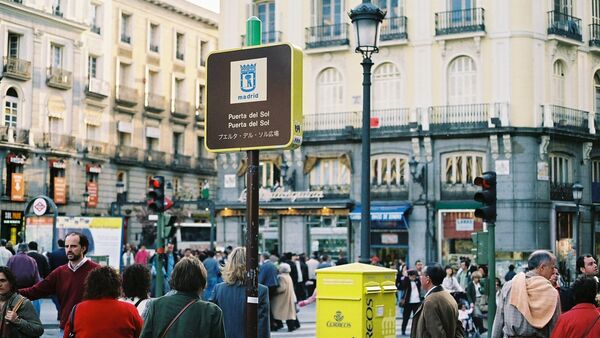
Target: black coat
42,263
408,289
57,258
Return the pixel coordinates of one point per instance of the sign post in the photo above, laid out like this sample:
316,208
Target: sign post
39,206
254,102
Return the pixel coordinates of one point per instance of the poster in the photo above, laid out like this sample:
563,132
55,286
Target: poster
92,189
17,187
39,229
60,190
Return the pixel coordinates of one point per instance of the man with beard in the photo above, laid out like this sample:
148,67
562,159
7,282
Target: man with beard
66,281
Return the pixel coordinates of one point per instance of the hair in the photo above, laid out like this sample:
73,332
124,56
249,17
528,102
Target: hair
449,267
584,290
102,282
2,242
417,262
210,253
61,243
436,273
10,277
83,240
266,255
22,247
511,267
33,245
189,275
136,281
538,258
235,268
581,262
412,272
284,268
476,274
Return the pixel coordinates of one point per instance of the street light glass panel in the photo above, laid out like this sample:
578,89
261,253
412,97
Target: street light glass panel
577,192
412,165
366,19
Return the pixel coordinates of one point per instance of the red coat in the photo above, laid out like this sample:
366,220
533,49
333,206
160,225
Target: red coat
105,318
575,322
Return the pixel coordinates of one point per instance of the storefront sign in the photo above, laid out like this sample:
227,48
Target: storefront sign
60,190
465,224
542,171
17,187
92,189
93,168
280,194
10,223
15,159
389,238
57,164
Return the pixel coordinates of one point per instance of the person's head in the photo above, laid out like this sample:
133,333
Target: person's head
433,275
482,270
102,282
265,256
586,264
136,281
235,268
463,265
142,247
542,262
187,252
2,242
498,283
325,258
511,268
61,243
8,282
189,275
374,260
413,274
449,271
170,247
554,278
476,277
210,253
419,265
22,248
584,290
76,246
33,245
284,268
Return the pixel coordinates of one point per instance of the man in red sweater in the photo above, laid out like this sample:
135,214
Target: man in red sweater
66,281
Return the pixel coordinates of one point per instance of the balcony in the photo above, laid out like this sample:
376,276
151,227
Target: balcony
595,36
327,36
458,117
458,191
180,109
154,48
267,37
95,29
58,78
564,25
94,147
389,192
155,103
55,141
567,119
127,96
126,38
205,166
331,124
181,162
469,20
394,29
97,88
332,190
16,68
127,155
155,159
561,191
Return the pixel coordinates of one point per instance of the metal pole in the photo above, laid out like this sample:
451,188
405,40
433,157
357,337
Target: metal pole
212,225
159,256
253,37
578,241
491,227
365,191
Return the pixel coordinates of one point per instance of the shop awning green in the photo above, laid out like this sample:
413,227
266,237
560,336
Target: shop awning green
442,205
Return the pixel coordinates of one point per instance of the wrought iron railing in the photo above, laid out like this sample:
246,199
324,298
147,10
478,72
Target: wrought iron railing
569,118
460,21
181,161
464,116
266,37
561,191
127,153
394,28
331,121
564,25
594,35
327,35
204,164
17,68
58,78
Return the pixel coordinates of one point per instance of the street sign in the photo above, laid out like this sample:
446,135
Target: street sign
254,99
40,206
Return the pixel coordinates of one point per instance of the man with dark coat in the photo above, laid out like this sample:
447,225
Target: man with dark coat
438,314
267,276
41,260
411,300
58,257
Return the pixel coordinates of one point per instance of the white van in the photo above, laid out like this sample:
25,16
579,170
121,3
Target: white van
195,236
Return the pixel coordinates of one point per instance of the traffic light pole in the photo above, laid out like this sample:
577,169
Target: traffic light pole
491,228
158,291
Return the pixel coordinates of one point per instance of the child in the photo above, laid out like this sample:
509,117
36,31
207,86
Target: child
464,315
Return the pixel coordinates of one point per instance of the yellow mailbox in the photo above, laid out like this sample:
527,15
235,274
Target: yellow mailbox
356,300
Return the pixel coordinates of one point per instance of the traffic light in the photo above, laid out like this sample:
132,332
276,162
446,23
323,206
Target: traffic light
480,247
169,229
487,196
156,194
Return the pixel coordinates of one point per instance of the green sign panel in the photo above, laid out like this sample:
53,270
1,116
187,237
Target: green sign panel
254,99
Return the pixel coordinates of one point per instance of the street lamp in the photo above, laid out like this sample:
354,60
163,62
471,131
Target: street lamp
86,196
120,190
366,19
285,172
577,196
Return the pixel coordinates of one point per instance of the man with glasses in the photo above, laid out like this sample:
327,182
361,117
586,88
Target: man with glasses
529,306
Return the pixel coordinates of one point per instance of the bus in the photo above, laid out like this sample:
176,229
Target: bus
195,236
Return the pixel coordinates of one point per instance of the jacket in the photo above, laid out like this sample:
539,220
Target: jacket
437,317
202,319
471,292
580,319
283,306
408,289
28,324
231,298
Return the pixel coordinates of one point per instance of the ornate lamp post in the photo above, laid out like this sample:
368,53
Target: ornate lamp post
120,190
366,19
577,196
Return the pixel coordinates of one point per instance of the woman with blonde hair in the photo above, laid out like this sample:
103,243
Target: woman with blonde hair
230,296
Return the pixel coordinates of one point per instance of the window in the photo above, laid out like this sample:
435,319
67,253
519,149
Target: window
327,12
124,138
266,13
57,55
462,168
11,108
125,28
561,169
462,81
563,6
179,46
124,74
389,170
96,18
179,89
13,45
122,179
268,174
394,8
558,79
177,143
153,82
56,8
329,172
92,132
92,67
200,97
55,125
386,89
200,147
154,37
150,143
203,52
596,171
596,12
330,91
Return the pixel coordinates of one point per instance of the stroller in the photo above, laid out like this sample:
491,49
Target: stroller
465,315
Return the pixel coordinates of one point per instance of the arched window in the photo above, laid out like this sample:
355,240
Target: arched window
386,90
558,85
11,108
462,81
330,91
389,170
462,167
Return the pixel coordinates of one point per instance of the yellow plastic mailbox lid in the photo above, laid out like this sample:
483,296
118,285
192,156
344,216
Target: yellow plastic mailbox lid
355,268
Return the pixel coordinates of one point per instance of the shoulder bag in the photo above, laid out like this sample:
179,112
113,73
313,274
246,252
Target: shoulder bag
72,321
164,334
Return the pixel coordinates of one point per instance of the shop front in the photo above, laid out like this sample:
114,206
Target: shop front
456,223
11,225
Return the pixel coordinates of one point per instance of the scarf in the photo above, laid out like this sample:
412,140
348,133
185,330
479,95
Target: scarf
534,297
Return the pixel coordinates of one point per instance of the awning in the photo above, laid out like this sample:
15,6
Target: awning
458,205
384,213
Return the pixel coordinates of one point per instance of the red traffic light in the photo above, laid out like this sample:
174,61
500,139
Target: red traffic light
155,183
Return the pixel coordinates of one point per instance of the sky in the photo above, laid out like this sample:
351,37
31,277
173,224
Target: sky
213,5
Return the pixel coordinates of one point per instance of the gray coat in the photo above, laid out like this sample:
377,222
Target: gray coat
28,324
231,298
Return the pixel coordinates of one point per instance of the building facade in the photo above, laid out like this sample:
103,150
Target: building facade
97,96
461,87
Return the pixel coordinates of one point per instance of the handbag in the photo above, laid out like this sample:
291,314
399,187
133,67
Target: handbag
164,334
72,321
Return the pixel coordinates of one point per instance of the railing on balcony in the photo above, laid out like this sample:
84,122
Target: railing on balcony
332,190
97,88
181,162
95,29
181,108
267,37
458,191
464,116
16,68
460,21
595,35
561,191
155,158
327,36
127,154
566,118
328,122
393,29
96,147
154,48
155,102
56,141
389,192
127,96
204,165
125,38
58,78
564,25
393,118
